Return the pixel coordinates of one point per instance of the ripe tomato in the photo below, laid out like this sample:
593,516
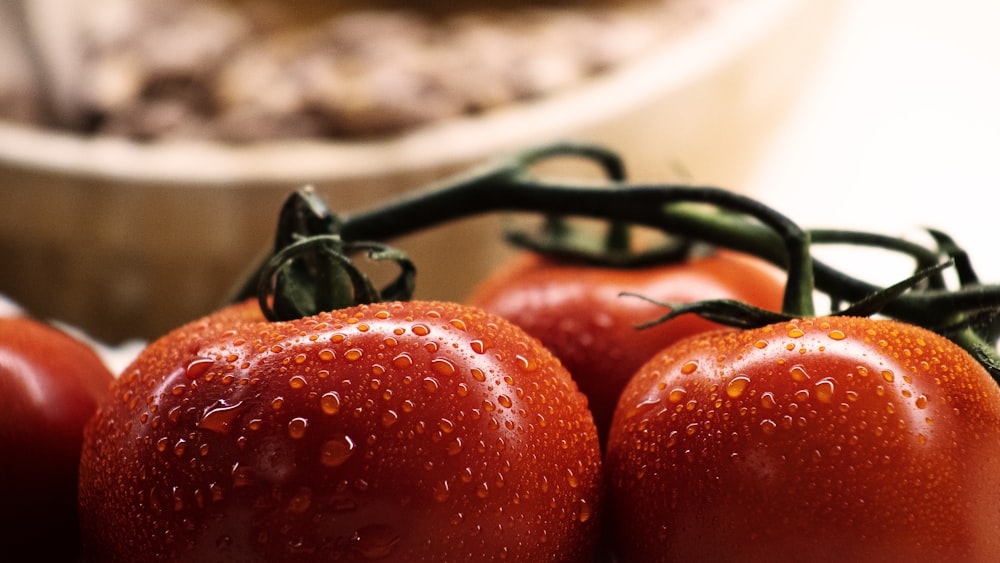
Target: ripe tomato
829,439
412,431
578,313
49,386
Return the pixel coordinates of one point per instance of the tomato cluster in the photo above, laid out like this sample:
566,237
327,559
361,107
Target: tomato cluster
326,420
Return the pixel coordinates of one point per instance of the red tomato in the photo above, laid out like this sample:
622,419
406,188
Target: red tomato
578,313
830,439
49,386
400,431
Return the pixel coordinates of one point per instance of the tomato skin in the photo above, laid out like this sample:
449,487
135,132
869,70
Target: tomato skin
406,431
50,384
830,439
578,313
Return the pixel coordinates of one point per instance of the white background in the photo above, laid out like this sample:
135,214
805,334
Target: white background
898,129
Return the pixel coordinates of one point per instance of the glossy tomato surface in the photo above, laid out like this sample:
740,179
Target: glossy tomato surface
578,313
831,439
50,384
399,432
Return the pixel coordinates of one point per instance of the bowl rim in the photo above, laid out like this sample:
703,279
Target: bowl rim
722,34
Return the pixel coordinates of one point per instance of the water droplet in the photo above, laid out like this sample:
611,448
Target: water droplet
327,354
441,491
375,541
442,366
921,402
689,367
354,354
768,426
504,401
330,402
455,446
421,329
825,390
446,426
337,450
760,344
403,360
837,334
219,417
799,373
677,394
737,386
767,400
389,418
458,323
430,384
795,332
888,376
197,367
297,427
478,346
297,382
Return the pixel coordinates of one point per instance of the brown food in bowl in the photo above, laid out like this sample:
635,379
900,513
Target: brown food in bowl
244,71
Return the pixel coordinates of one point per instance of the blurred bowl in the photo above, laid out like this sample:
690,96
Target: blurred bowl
127,239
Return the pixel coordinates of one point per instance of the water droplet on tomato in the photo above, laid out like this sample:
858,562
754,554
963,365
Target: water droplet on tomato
197,367
443,367
330,402
337,450
767,400
677,394
219,417
354,354
375,541
921,402
837,334
799,373
403,360
888,376
689,367
297,382
441,491
825,390
389,418
430,384
768,426
421,329
297,427
327,354
736,386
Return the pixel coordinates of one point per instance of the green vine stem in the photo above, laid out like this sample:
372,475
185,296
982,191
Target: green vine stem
707,214
507,186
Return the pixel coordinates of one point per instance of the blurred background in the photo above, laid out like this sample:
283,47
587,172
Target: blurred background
145,151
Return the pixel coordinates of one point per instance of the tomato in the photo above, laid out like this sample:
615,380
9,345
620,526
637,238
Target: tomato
50,384
578,313
827,439
414,431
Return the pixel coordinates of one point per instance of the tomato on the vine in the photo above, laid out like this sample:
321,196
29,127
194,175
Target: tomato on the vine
824,439
409,431
50,384
578,313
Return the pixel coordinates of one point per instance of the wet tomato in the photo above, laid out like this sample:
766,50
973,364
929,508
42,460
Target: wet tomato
50,384
400,431
578,313
829,439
